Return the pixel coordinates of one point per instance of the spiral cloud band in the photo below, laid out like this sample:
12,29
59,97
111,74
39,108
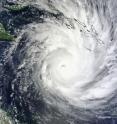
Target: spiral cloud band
73,56
68,64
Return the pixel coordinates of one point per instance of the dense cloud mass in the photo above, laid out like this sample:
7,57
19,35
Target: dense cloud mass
62,66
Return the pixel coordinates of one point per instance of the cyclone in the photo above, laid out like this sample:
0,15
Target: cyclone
70,57
68,62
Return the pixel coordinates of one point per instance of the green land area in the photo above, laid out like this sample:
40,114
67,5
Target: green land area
4,118
14,7
4,35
